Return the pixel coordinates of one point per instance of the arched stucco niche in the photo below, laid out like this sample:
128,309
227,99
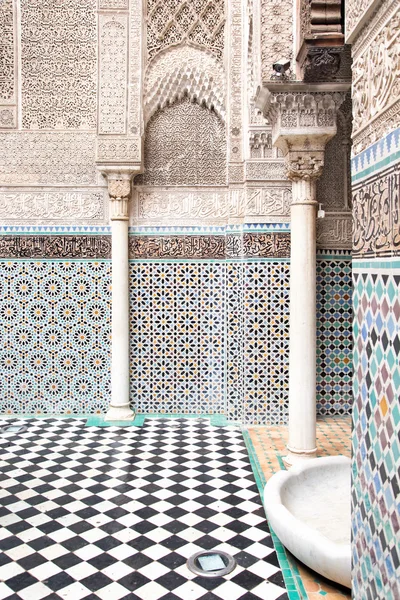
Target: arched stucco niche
185,144
184,110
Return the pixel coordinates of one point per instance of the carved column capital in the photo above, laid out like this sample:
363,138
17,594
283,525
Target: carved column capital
119,189
303,120
306,165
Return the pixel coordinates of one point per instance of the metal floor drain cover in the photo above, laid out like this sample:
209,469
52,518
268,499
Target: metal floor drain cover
13,429
211,564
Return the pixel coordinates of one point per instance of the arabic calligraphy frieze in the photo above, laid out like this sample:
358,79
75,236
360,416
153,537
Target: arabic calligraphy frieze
376,219
55,246
248,245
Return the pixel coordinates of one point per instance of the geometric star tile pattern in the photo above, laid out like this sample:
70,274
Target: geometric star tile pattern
376,448
55,336
177,337
114,513
334,336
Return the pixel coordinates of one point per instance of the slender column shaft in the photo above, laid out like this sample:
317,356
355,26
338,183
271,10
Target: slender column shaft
302,345
120,315
119,407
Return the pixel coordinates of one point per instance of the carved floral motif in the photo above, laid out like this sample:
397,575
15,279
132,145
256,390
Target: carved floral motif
113,32
39,158
7,63
59,67
276,33
172,21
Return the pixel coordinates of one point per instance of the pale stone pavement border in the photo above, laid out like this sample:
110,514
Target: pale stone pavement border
333,437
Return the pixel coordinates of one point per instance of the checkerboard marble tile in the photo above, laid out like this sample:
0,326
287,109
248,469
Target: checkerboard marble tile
109,512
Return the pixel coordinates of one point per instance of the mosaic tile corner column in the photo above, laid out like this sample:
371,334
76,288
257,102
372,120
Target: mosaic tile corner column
119,189
302,124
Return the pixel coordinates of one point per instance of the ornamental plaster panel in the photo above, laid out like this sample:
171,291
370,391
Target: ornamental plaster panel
268,201
276,33
185,144
376,82
263,170
118,149
113,72
376,202
334,185
170,22
113,4
236,64
47,158
53,207
8,117
160,206
236,172
7,51
181,205
357,14
184,70
8,60
334,231
136,42
59,66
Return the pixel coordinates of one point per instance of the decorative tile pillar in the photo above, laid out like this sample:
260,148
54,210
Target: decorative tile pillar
302,124
119,189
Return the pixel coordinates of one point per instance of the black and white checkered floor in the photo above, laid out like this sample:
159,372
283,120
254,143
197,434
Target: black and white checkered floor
114,513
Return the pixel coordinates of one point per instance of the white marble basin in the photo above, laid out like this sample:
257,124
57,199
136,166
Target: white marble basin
308,507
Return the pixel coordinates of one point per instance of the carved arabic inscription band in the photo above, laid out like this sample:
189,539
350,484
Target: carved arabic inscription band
179,247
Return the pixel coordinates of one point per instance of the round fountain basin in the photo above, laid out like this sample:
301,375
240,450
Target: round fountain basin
308,507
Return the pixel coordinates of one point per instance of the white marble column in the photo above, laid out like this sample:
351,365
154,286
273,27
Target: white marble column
119,188
303,170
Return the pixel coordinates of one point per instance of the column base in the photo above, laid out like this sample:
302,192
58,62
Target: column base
120,413
295,456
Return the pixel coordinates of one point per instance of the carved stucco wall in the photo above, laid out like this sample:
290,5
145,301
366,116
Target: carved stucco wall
276,33
185,144
59,67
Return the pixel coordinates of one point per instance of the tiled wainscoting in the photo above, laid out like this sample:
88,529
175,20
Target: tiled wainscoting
376,418
209,326
55,327
334,336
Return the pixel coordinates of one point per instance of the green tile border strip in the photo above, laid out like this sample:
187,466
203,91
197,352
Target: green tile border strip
291,575
379,166
371,264
216,420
